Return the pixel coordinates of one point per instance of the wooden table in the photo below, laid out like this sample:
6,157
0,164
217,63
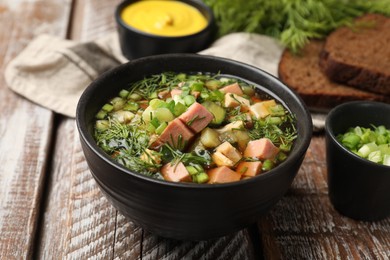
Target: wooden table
51,208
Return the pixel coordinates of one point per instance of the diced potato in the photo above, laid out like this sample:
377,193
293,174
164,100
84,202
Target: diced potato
209,138
148,114
229,151
261,109
123,116
221,160
230,127
151,157
102,124
233,100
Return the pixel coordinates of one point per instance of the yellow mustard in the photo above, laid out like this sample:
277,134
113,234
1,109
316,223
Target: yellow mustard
164,17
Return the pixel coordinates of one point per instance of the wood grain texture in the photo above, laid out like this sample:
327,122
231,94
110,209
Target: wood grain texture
88,226
304,225
25,128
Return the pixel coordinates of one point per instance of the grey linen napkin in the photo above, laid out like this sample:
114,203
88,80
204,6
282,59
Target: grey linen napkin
54,72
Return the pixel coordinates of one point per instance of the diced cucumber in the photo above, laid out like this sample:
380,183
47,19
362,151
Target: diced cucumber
201,177
191,170
179,109
218,112
213,84
156,103
131,106
248,90
209,138
163,114
197,86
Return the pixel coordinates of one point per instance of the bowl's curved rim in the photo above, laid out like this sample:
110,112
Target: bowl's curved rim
196,4
338,109
297,154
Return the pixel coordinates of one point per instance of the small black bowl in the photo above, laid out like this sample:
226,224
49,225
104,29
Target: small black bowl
358,188
135,43
187,210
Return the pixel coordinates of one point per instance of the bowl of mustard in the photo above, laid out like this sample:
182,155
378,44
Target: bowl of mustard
151,27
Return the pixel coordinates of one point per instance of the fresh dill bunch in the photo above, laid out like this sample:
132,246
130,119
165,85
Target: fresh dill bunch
293,22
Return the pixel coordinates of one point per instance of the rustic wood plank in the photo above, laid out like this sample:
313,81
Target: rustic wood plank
25,128
93,228
304,225
78,222
54,223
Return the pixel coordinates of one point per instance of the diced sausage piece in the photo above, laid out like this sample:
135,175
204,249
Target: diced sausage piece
197,117
176,134
176,172
261,109
233,100
232,88
222,174
249,169
261,149
229,151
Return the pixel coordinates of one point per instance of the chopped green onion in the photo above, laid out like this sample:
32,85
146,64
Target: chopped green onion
124,93
108,107
161,128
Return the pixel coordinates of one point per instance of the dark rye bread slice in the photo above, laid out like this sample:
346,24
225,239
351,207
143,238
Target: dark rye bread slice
302,73
359,56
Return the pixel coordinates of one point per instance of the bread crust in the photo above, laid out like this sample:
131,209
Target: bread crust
302,73
359,56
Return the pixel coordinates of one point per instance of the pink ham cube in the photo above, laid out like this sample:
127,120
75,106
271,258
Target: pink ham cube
197,117
261,149
176,134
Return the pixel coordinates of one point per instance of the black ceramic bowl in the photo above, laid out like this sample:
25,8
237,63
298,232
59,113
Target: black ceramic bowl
135,43
358,188
183,210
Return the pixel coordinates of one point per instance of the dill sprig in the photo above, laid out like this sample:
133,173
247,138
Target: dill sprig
176,156
155,83
282,135
293,22
125,143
